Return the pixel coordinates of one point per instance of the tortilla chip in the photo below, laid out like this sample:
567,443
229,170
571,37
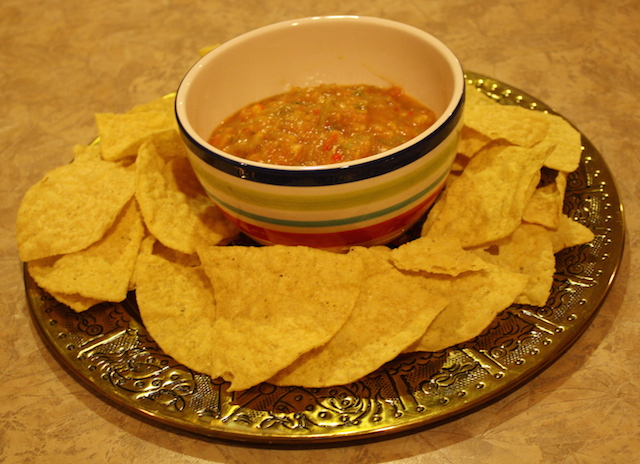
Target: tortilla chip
76,302
146,248
121,135
87,152
566,142
392,312
174,205
274,304
570,233
164,105
178,309
487,201
527,251
471,142
103,270
72,207
475,299
515,124
441,255
545,206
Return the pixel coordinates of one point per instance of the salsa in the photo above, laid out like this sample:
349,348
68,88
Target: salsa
323,125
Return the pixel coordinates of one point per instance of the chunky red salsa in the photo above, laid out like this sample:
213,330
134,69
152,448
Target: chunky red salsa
323,125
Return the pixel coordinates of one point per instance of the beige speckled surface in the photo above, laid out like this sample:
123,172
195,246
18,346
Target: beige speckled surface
61,61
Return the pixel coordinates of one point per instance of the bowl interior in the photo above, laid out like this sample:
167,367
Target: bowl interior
311,51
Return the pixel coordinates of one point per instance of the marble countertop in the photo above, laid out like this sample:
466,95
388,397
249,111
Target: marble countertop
63,61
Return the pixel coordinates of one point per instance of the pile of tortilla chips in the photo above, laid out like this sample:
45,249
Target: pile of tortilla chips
129,214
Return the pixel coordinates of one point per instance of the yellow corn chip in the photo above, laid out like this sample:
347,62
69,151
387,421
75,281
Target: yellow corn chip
487,201
121,135
76,302
527,251
146,248
475,298
570,233
274,304
103,270
72,207
545,205
178,309
515,124
87,152
441,255
174,205
392,312
471,142
164,105
566,142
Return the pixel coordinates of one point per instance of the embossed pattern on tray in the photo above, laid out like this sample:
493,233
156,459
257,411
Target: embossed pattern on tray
108,348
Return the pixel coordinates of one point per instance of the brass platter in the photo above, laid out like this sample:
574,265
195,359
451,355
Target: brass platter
108,349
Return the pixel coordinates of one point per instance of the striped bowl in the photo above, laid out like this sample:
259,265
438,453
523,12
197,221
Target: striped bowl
366,202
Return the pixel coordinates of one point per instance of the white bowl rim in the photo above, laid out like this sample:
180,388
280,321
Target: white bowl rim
450,110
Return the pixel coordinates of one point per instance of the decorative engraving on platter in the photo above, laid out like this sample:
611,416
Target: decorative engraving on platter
108,348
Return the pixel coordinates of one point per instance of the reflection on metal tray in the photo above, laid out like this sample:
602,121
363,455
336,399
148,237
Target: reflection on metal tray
109,349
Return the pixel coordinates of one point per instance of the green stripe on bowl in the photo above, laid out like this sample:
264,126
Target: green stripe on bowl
333,222
333,201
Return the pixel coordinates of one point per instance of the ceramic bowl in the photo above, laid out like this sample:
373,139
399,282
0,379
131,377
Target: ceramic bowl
366,202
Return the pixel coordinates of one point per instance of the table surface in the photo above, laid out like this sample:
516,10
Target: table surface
63,61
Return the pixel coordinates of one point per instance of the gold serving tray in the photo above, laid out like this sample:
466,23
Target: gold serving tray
108,348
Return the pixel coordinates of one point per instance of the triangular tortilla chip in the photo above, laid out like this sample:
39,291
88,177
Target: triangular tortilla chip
392,312
103,270
274,304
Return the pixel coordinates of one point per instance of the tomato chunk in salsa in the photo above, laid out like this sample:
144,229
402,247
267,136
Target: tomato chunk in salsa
321,125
